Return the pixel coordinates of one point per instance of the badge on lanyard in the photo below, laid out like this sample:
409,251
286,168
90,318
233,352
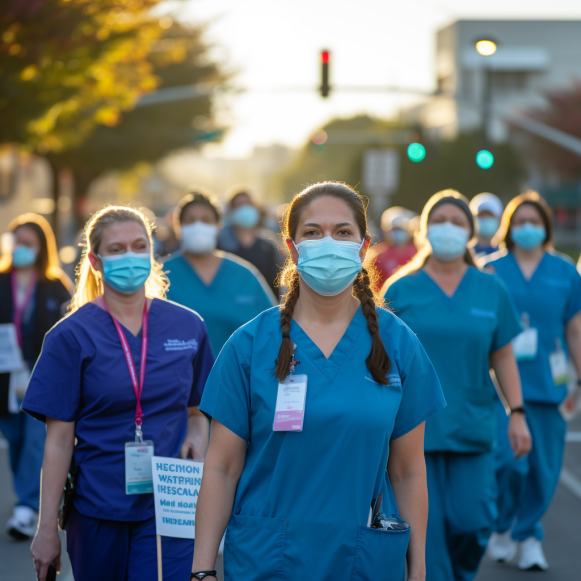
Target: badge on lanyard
289,412
558,363
138,454
525,344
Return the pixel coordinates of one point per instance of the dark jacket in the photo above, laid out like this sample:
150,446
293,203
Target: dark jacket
49,298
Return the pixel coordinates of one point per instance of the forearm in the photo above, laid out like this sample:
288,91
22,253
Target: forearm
212,515
506,371
199,433
411,494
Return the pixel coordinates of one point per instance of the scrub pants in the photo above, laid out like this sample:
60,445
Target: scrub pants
462,496
526,486
124,551
25,437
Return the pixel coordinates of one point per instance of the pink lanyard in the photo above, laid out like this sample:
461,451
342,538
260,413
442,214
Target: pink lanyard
137,387
19,310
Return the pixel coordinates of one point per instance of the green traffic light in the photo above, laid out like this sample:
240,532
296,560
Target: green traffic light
484,159
416,152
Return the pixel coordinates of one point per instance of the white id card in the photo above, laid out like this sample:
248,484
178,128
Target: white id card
559,367
290,404
138,475
525,344
10,355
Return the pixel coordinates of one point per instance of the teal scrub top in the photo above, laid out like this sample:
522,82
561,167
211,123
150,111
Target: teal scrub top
458,334
552,297
236,295
303,499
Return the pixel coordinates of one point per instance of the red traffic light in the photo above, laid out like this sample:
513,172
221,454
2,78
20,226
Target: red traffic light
325,56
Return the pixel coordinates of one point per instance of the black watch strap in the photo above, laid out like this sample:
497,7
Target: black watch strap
519,410
203,575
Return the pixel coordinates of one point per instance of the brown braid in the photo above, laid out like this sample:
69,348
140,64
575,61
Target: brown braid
378,361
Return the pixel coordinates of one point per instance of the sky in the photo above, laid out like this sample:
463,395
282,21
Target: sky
274,47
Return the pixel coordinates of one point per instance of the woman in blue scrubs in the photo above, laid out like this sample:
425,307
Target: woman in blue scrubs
226,290
122,375
546,290
465,320
295,487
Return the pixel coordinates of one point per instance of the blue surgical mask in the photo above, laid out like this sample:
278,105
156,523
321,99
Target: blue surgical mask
246,216
329,266
448,241
399,236
488,226
126,273
528,236
23,256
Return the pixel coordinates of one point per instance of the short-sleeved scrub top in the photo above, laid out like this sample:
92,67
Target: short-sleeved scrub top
551,298
458,334
236,295
304,498
82,377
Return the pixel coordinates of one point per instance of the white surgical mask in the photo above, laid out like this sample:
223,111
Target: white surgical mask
448,241
200,238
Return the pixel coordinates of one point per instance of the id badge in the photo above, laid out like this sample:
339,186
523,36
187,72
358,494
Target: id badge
559,368
138,475
290,404
525,345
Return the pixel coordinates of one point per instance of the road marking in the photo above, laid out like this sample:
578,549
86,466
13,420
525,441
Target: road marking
573,437
570,482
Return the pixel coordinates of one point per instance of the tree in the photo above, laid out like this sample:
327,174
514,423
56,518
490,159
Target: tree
67,66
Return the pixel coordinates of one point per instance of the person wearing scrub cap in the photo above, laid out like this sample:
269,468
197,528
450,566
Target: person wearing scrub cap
466,321
224,289
241,236
546,290
33,292
118,381
295,488
398,247
487,209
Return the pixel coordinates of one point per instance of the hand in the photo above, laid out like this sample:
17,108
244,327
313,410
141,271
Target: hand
46,549
519,435
189,448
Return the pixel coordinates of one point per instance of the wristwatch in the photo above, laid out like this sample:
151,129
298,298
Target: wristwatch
519,410
203,575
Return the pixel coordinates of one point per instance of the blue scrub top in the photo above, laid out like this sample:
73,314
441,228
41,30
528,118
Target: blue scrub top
236,295
552,297
313,489
82,377
458,334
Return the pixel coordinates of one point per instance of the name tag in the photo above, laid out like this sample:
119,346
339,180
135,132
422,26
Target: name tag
138,474
525,345
559,368
290,404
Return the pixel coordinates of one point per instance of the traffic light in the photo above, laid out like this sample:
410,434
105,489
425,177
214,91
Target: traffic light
416,152
325,88
484,159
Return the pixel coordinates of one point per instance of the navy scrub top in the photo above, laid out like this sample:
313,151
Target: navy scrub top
236,295
82,377
458,334
303,499
552,297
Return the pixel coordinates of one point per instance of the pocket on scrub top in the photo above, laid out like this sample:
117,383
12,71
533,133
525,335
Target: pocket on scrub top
477,417
254,548
380,555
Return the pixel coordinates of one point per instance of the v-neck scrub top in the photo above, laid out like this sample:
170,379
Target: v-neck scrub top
82,377
303,499
236,295
458,334
552,297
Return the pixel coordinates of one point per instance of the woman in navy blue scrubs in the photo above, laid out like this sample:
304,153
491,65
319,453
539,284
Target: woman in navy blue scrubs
546,290
125,367
296,495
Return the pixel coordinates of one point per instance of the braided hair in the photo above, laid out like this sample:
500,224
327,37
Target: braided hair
378,361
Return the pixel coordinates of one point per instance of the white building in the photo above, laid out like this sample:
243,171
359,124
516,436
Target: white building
532,57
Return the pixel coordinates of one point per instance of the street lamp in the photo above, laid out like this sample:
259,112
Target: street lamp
486,48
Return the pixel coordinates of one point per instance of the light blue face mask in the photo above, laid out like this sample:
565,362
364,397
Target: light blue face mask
126,273
327,265
23,256
400,237
448,241
488,226
246,216
528,236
